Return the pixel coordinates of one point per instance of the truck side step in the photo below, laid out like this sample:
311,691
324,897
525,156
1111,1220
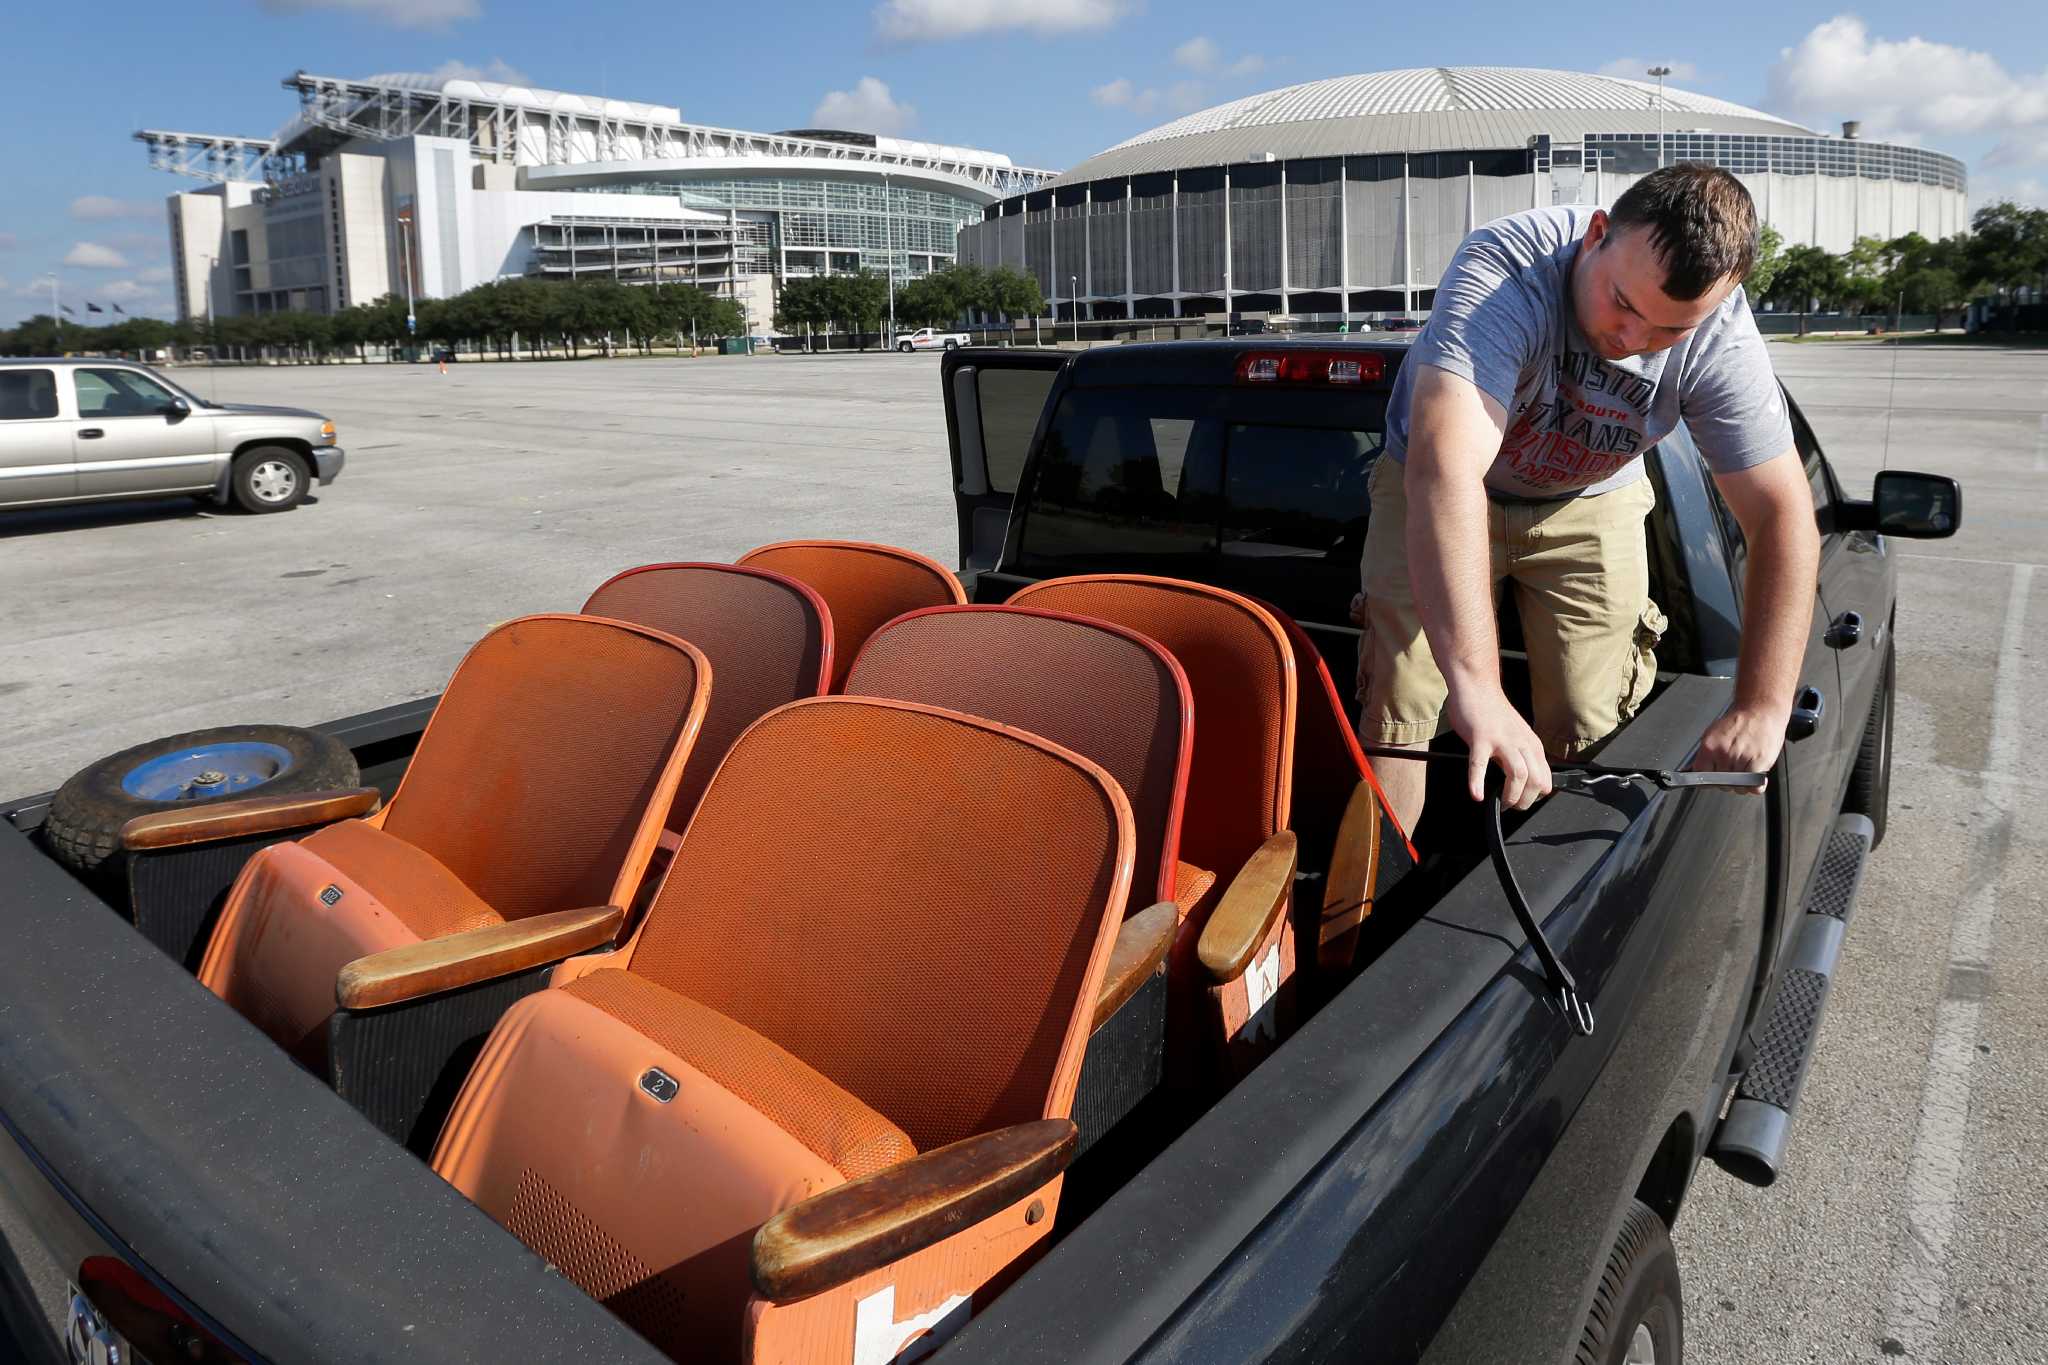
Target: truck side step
1750,1141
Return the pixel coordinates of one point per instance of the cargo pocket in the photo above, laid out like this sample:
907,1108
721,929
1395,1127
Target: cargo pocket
1642,660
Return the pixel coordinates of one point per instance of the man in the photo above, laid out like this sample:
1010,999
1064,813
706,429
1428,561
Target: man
1563,344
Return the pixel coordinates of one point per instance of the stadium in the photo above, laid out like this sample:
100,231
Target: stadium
1349,195
421,187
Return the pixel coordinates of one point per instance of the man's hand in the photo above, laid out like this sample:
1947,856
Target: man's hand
1743,740
1495,730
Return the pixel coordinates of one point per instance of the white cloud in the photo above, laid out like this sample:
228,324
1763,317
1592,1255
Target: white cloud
1202,55
932,21
93,256
98,208
1198,54
397,13
125,291
496,70
1121,94
1182,97
1637,69
156,274
867,108
1911,88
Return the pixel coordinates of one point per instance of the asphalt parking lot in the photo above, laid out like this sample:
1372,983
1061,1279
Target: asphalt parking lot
1913,1219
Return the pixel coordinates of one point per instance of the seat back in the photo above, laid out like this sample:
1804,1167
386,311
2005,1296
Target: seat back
547,769
1240,671
1107,693
917,904
1328,762
768,636
864,585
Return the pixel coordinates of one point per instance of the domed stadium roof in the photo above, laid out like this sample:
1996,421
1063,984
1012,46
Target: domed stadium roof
1423,109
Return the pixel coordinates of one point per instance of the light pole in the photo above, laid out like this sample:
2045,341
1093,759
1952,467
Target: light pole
405,260
56,315
889,220
1660,72
1074,302
212,264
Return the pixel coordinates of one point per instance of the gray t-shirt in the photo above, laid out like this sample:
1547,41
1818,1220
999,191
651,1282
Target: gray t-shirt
1579,424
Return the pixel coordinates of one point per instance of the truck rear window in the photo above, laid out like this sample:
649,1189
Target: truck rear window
1177,482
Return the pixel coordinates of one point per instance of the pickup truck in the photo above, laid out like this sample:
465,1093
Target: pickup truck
1434,1164
928,339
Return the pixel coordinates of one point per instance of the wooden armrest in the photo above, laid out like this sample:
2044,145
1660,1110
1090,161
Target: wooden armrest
246,815
1141,945
868,1223
442,964
1354,872
1255,899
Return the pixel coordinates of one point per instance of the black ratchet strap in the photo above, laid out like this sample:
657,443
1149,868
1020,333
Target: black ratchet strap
1581,778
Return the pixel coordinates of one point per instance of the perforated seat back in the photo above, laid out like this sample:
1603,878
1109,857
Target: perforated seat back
768,637
915,903
1105,692
1328,762
864,585
1240,671
536,778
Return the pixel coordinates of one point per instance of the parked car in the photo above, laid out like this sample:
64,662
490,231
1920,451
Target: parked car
1427,1156
930,339
1401,325
84,430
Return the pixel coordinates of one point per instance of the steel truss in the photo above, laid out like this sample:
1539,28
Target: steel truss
205,156
501,130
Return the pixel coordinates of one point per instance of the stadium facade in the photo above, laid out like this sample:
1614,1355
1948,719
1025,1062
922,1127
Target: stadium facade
1351,194
400,184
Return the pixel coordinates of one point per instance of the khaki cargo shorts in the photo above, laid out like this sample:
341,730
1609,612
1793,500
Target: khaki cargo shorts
1579,571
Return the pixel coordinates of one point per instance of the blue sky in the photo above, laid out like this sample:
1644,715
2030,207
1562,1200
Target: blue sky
1047,81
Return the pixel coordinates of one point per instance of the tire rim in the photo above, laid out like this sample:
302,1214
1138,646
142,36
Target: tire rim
206,771
273,481
1642,1347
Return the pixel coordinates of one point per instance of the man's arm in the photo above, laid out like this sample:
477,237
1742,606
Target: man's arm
1454,432
1774,505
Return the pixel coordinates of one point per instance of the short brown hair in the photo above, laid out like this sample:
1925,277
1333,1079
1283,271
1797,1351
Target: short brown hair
1702,223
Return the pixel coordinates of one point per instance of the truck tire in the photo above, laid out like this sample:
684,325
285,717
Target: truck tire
1638,1314
1870,781
903,346
83,827
269,479
951,344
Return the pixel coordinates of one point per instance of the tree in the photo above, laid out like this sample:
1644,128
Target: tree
1931,289
803,306
2008,246
1809,277
1013,294
1866,268
1770,256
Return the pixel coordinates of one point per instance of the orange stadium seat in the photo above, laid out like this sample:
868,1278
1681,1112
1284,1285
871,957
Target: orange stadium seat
864,585
768,637
1233,958
820,1096
539,787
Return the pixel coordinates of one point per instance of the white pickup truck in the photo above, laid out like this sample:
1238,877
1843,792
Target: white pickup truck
926,339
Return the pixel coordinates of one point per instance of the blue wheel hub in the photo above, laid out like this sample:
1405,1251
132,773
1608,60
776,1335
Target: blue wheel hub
207,771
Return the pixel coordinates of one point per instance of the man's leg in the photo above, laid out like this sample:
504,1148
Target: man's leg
1583,590
1399,683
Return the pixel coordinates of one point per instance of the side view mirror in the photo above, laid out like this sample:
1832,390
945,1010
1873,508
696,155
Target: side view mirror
1913,506
176,409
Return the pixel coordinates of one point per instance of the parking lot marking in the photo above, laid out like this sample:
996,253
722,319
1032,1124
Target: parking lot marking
2041,447
1934,1175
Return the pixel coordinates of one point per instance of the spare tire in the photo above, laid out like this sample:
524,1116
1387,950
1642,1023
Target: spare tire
178,772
